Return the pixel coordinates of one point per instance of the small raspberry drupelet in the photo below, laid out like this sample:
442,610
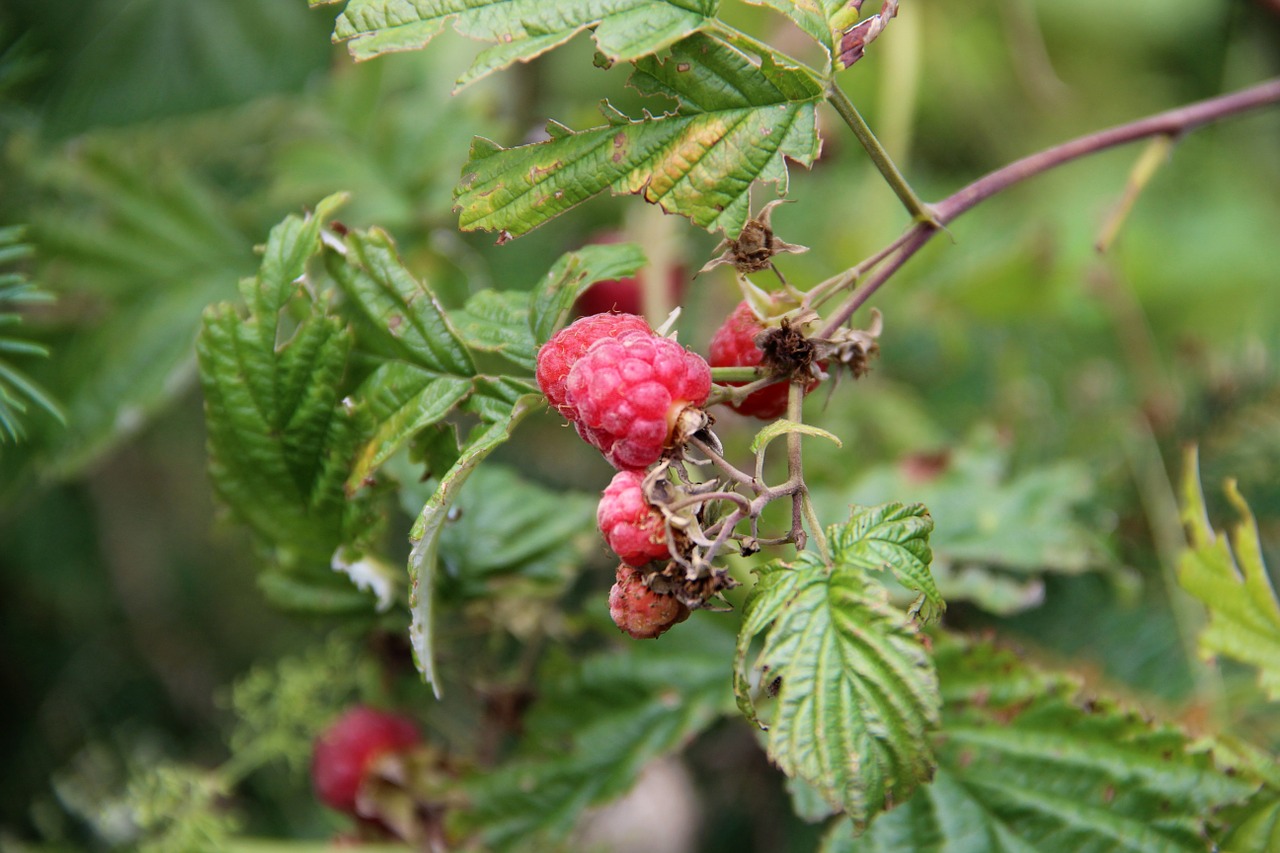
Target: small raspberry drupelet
345,752
638,610
629,392
630,525
734,345
558,355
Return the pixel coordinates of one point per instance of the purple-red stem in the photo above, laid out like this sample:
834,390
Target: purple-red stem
1172,123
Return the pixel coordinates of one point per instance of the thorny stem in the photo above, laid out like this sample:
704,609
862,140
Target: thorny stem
727,467
800,508
919,211
1172,123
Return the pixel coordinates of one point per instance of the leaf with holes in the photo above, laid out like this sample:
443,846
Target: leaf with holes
737,123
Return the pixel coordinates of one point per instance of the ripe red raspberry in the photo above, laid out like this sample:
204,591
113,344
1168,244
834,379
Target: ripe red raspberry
345,752
558,355
734,345
629,392
638,610
630,525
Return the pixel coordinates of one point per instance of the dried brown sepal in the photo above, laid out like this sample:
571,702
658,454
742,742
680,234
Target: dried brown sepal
853,348
853,44
755,246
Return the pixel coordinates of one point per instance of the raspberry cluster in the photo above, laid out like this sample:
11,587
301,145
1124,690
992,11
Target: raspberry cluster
627,391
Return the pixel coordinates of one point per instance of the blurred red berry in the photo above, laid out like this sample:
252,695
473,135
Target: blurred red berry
344,752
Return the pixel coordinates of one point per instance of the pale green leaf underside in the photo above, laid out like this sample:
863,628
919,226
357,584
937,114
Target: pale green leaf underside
856,694
737,124
520,29
1025,764
500,419
497,321
1231,580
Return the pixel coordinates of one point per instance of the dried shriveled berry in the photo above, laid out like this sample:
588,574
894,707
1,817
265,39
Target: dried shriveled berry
638,610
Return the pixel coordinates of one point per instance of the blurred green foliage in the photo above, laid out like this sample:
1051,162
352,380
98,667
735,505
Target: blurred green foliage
150,145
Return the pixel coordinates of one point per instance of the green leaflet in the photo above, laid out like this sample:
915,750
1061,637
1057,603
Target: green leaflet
403,310
737,123
822,20
572,273
997,533
509,528
520,29
280,440
891,536
497,321
1230,579
854,691
18,393
500,412
595,726
1026,763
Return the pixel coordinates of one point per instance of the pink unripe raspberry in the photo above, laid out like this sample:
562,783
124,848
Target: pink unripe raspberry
734,345
638,610
629,392
630,525
345,752
558,355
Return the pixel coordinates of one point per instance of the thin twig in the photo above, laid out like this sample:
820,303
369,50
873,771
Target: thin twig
1172,123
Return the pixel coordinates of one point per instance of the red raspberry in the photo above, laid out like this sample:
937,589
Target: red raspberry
734,345
558,355
638,610
346,751
629,391
630,525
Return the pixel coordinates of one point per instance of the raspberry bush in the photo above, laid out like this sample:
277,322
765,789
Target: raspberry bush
836,585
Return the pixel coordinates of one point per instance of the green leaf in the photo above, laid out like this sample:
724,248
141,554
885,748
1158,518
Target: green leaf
891,536
782,427
508,527
1028,763
573,272
497,321
1230,579
737,123
854,692
596,726
402,400
500,413
18,393
997,533
401,309
1257,830
280,438
822,20
521,29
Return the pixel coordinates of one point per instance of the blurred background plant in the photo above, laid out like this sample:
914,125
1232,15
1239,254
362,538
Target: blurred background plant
148,146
